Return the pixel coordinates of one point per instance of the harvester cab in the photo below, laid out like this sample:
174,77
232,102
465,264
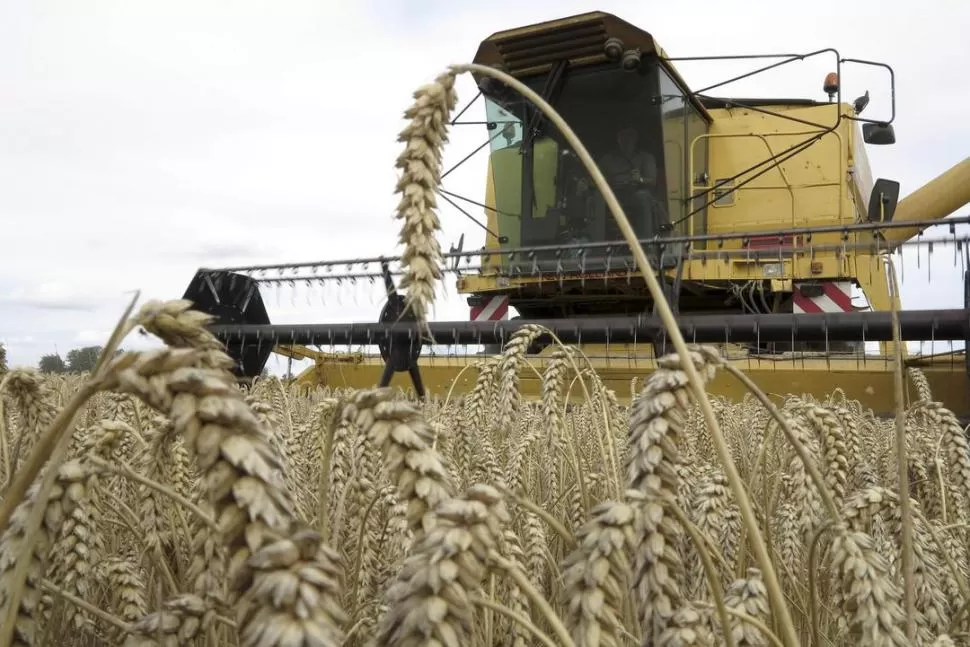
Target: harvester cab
626,108
700,177
759,216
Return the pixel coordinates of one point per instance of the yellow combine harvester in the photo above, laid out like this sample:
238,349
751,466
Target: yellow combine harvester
761,217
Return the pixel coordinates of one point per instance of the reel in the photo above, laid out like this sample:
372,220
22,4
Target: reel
232,296
234,300
400,354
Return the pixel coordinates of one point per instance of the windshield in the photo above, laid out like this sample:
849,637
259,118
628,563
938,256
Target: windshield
504,128
543,192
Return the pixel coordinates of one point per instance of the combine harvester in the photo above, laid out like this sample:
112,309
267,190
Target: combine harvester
760,216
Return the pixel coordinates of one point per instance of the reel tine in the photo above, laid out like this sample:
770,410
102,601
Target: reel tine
902,265
929,264
581,262
917,241
607,351
828,351
630,356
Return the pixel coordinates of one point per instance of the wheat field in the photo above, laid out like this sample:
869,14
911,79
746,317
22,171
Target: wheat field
185,509
156,501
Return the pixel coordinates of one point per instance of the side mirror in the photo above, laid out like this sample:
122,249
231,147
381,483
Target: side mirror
878,134
882,200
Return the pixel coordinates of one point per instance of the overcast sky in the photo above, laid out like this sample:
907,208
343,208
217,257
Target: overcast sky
141,140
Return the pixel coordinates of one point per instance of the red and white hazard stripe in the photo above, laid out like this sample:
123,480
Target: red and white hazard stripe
494,308
836,297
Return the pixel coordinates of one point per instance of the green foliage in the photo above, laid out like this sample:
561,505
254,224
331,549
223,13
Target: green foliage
82,360
52,363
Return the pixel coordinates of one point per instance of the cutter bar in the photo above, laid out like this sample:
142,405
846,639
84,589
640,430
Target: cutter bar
866,378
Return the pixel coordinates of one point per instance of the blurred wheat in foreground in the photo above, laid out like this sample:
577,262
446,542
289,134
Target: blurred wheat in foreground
188,510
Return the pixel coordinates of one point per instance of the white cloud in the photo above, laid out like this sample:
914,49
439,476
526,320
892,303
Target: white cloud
92,336
141,141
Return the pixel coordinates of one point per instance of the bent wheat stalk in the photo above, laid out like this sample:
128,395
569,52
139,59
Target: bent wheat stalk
757,541
902,465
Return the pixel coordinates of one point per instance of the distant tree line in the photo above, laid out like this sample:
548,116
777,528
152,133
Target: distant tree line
79,360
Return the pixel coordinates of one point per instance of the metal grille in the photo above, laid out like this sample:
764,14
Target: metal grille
574,41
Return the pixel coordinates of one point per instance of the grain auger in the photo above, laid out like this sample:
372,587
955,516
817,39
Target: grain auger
760,217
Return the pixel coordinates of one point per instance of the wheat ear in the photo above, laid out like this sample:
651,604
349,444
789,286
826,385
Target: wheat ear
595,573
429,603
269,551
420,163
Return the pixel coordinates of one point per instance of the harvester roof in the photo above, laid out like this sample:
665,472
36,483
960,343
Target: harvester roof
584,40
581,39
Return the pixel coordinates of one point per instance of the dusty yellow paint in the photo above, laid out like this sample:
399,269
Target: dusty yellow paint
827,183
813,188
869,381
